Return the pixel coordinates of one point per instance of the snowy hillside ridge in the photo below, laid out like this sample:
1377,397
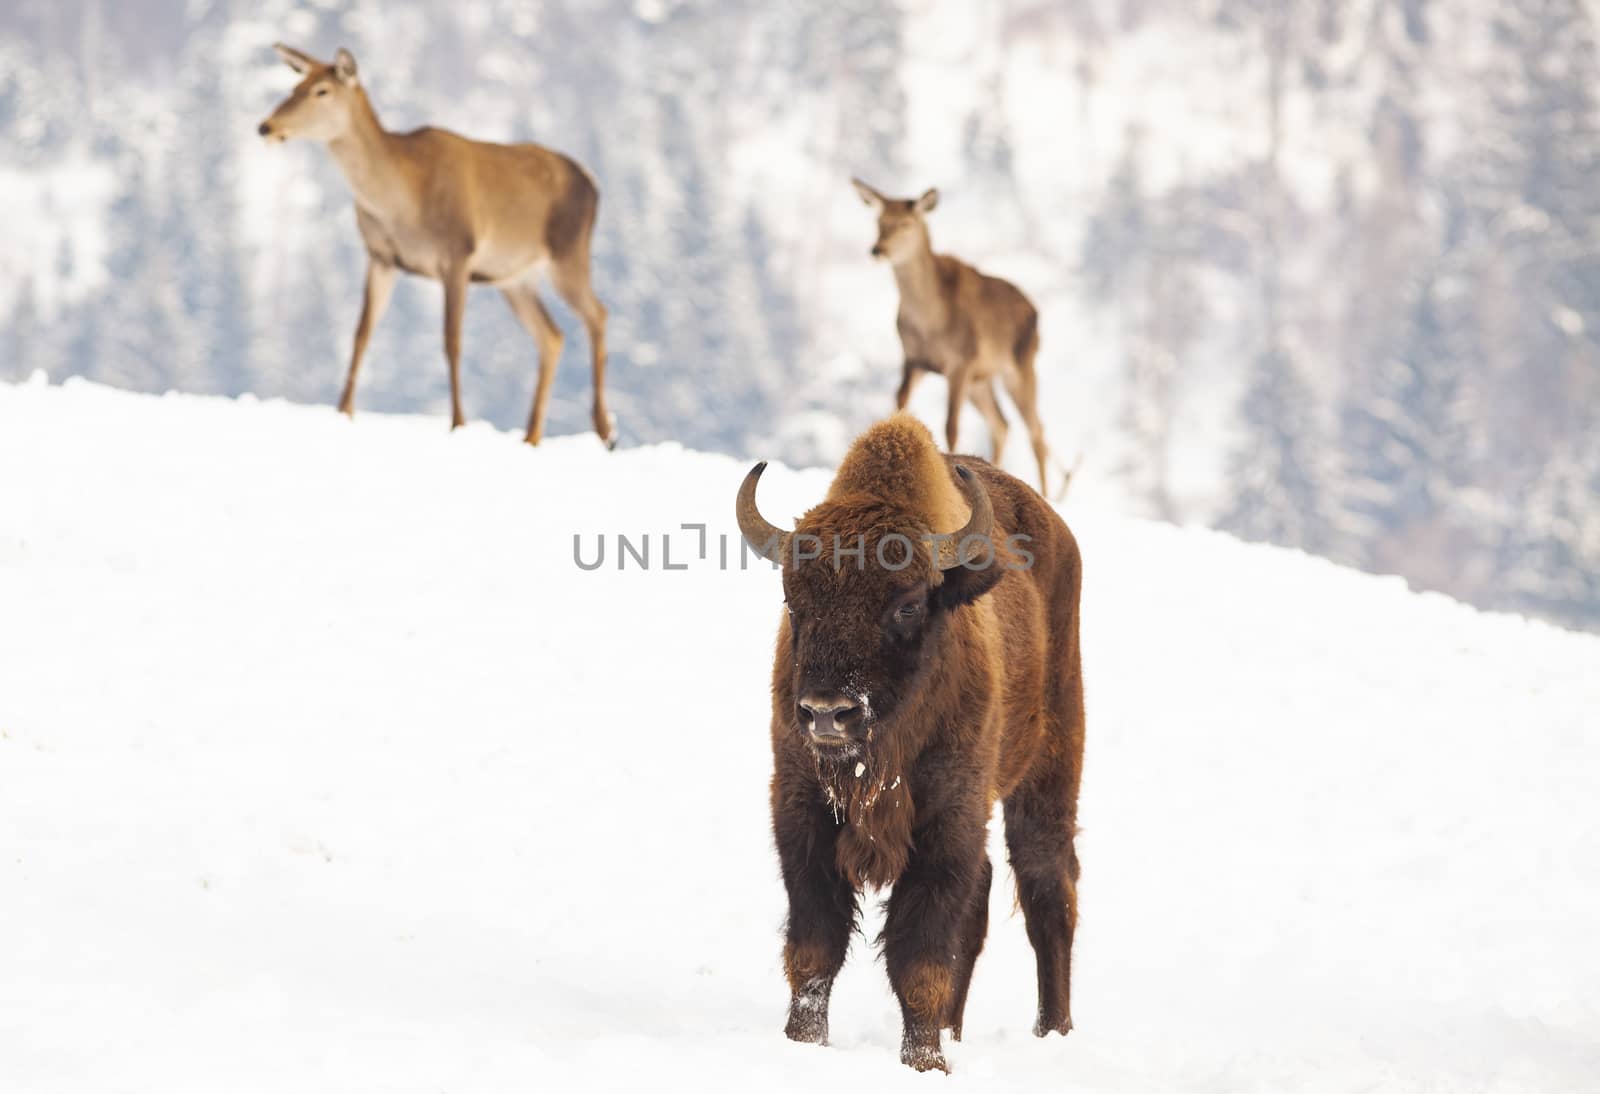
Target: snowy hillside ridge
324,767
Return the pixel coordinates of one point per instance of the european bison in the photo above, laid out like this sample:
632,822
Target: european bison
918,677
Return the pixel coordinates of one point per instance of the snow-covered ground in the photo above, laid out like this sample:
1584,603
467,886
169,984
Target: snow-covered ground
323,767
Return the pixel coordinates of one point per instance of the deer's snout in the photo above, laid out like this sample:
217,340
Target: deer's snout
830,719
878,251
265,129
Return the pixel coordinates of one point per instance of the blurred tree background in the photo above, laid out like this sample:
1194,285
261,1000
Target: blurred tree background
1321,272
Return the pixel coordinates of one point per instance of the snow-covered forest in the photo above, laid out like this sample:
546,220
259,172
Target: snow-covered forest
1324,273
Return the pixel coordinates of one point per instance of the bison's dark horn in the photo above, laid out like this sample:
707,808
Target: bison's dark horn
767,539
976,534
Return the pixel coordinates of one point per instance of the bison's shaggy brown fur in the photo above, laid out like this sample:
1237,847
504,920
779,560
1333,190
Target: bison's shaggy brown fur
905,703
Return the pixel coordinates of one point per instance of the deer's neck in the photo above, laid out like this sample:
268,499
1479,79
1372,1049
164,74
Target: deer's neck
918,280
367,155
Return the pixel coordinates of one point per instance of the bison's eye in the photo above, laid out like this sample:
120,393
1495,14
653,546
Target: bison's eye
905,622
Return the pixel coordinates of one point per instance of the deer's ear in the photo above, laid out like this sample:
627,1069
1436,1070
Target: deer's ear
294,58
928,201
344,67
873,199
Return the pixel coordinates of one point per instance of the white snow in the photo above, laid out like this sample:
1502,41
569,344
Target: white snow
323,767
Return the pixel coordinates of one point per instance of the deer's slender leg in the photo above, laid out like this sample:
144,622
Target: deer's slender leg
1021,383
959,378
455,306
530,311
983,397
910,373
380,286
571,279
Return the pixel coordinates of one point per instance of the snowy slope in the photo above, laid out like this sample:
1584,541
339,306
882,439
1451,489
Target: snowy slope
324,768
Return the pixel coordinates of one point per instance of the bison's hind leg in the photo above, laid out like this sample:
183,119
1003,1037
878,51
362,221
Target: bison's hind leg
1040,821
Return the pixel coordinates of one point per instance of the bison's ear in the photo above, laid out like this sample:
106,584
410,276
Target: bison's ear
962,585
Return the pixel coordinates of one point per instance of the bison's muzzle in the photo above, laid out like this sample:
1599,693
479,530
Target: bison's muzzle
832,721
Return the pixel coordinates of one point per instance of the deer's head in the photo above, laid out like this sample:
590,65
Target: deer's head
321,105
902,231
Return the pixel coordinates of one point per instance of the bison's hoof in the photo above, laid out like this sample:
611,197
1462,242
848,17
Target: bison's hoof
806,1030
1044,1027
924,1058
808,1015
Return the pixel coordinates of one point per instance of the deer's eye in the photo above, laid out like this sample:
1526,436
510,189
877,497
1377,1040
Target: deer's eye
321,91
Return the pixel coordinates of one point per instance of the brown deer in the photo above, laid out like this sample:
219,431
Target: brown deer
954,320
438,205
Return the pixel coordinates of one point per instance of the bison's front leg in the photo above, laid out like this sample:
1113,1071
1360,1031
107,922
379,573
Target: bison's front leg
822,908
923,932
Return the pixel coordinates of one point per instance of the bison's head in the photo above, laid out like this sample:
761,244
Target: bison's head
871,578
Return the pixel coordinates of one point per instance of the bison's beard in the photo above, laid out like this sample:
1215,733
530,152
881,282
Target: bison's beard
869,791
857,776
843,754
